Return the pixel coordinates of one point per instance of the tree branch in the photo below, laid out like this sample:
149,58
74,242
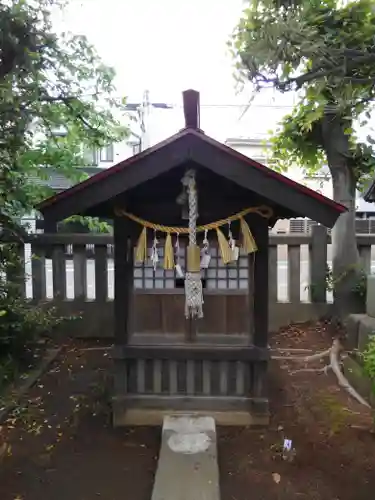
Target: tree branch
349,61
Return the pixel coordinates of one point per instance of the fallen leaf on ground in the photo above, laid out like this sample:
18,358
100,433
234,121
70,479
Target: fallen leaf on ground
276,477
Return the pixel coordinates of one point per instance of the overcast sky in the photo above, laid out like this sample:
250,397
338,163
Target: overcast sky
167,46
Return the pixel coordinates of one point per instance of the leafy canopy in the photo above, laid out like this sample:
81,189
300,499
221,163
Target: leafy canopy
48,83
325,51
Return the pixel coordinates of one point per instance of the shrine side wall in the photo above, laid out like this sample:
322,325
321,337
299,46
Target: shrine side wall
76,273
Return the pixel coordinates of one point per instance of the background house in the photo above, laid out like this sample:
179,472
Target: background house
256,148
154,121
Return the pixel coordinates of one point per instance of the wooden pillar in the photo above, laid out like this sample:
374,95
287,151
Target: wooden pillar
318,264
260,301
124,281
260,314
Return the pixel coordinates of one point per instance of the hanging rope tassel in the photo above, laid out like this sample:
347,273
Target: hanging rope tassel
248,242
141,248
193,282
225,250
168,253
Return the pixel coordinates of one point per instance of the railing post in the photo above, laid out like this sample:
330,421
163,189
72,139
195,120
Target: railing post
365,257
272,273
80,272
101,273
294,274
38,272
318,264
59,272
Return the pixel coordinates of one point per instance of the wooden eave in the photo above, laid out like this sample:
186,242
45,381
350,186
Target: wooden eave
191,145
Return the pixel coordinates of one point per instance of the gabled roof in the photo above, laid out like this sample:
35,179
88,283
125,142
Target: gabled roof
192,145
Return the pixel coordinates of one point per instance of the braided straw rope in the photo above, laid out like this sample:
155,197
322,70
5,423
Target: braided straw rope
193,282
262,210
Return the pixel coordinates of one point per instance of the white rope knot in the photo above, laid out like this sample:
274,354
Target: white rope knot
193,295
193,282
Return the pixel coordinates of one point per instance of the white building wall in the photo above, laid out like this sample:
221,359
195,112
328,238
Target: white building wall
257,150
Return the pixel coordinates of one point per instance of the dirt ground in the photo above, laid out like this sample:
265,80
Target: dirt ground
62,446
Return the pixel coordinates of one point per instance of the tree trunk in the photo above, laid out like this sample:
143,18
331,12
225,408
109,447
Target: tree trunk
345,256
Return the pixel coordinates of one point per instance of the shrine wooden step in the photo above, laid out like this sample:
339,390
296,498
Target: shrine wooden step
187,467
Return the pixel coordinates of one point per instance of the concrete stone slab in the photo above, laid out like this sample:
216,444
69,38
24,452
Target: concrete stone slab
366,329
370,296
187,467
352,329
123,416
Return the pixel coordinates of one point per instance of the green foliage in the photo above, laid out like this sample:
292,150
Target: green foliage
359,286
368,357
324,49
93,224
21,323
48,83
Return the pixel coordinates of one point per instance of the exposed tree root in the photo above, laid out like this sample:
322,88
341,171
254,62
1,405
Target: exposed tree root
317,356
334,364
312,370
343,382
306,359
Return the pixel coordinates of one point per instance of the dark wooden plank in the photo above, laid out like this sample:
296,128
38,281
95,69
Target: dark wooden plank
214,310
206,377
70,238
272,270
157,376
192,352
240,378
224,371
185,402
175,338
237,323
101,276
123,260
258,379
190,377
148,313
80,272
107,239
172,372
141,375
172,312
120,378
191,329
59,272
38,271
260,329
294,274
250,303
318,264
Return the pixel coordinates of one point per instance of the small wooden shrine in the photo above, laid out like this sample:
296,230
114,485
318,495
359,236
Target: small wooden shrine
180,208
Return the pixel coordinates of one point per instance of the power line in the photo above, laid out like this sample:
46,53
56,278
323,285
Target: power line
133,106
180,106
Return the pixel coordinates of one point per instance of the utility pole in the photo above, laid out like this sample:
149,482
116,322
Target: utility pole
143,110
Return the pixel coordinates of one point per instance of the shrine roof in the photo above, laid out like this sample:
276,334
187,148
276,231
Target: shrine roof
192,146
